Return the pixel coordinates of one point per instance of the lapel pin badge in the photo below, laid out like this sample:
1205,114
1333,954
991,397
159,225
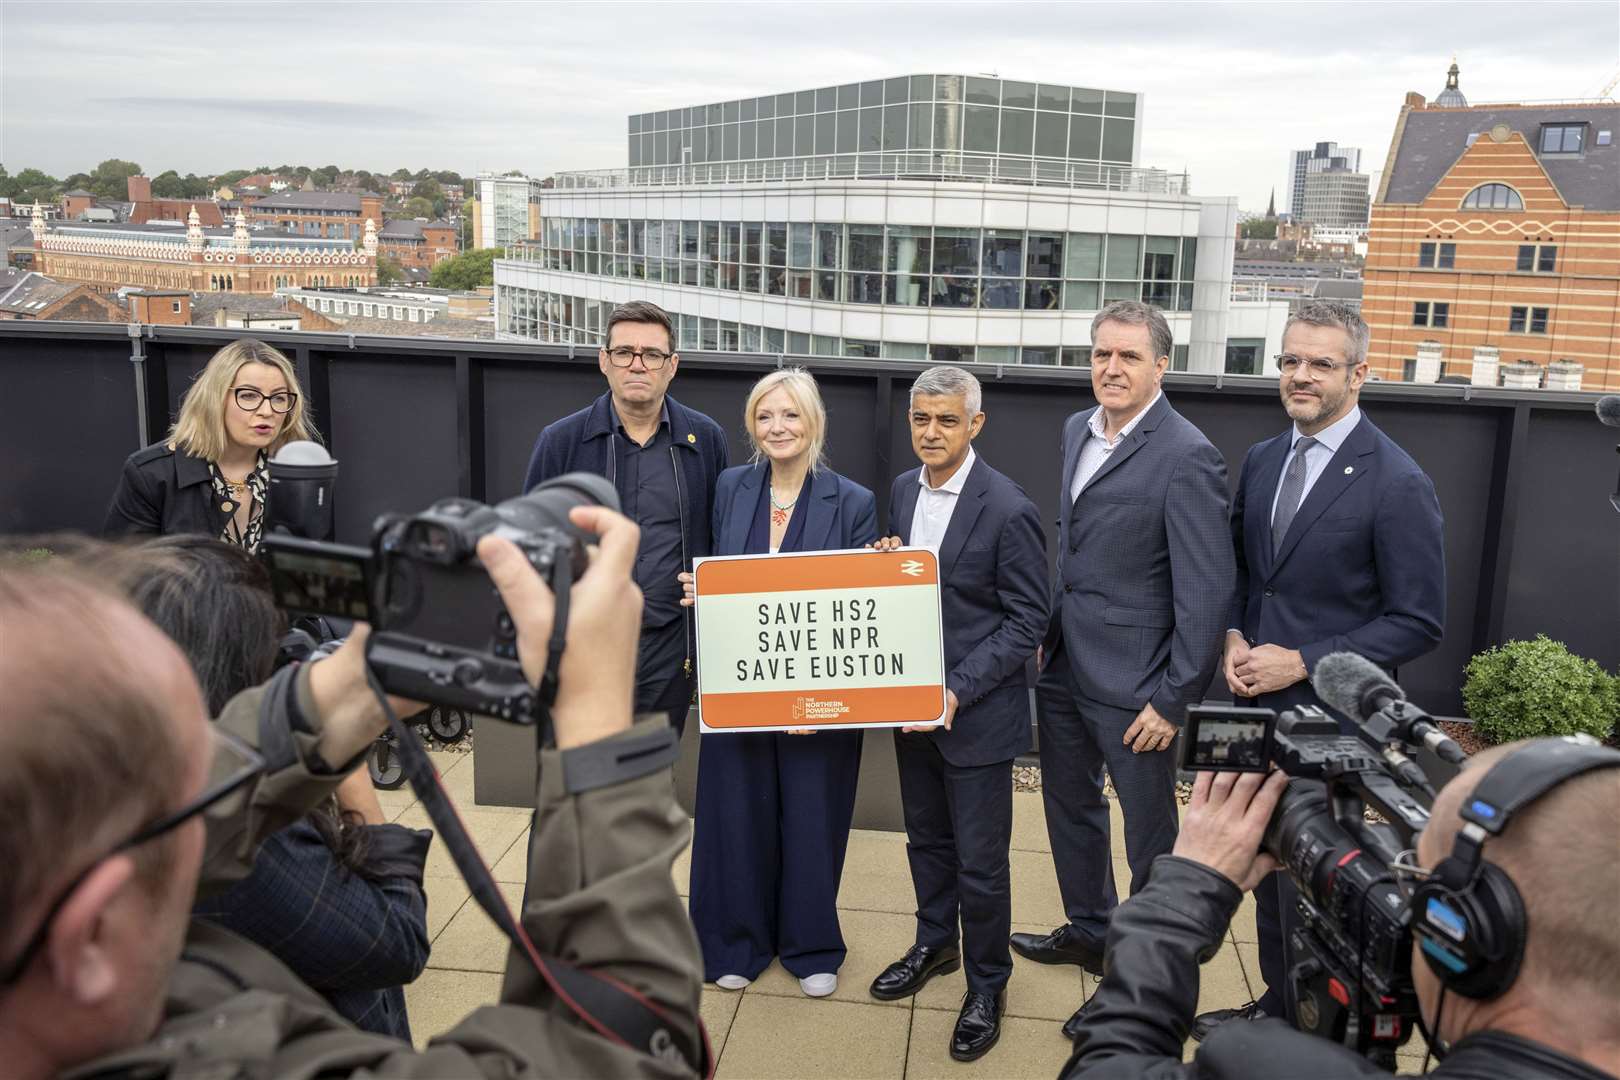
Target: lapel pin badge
691,438
1348,469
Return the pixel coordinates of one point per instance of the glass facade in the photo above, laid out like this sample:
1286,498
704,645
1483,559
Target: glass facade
969,114
912,266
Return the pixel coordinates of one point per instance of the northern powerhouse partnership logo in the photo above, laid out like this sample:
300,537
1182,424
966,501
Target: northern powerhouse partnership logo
809,708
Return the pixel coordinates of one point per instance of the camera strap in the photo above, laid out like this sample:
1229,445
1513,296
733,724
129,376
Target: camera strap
614,1010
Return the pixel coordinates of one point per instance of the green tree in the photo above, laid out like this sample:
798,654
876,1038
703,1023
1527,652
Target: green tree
1259,229
196,187
168,185
110,179
420,174
469,270
448,176
326,175
417,207
32,185
427,189
465,240
400,174
231,177
389,272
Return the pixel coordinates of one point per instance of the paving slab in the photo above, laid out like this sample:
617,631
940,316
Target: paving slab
785,1038
718,1008
471,942
1028,1048
438,1000
492,832
445,897
1035,991
875,939
1029,823
877,876
514,865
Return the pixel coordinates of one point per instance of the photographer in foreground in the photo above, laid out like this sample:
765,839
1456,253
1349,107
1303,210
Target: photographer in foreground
108,765
1555,1018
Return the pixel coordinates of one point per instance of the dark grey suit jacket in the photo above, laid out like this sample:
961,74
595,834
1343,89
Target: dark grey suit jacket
993,597
1146,574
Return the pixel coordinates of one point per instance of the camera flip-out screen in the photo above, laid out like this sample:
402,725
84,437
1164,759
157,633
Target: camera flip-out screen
1227,739
332,579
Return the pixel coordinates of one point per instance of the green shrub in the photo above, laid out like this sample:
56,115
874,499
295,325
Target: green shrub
1528,689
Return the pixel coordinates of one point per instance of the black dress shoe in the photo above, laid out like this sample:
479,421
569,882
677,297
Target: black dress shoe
978,1026
1071,1026
1204,1023
1061,946
912,971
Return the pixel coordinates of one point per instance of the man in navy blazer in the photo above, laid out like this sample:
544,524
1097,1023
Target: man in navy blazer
956,781
663,459
1145,579
1339,544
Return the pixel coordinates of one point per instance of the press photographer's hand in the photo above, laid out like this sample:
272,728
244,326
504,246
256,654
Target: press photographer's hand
351,718
1225,821
596,683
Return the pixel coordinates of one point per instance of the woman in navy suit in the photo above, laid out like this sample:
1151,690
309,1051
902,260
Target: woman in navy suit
773,810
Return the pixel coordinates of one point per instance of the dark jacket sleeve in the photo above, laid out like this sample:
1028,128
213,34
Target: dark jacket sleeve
1409,553
334,928
135,508
537,473
1022,588
1201,578
862,505
1240,586
1138,1020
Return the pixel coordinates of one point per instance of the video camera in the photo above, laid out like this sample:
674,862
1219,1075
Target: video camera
440,632
1349,960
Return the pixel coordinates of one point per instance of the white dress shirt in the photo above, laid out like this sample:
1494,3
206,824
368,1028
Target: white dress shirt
1328,441
1097,449
936,505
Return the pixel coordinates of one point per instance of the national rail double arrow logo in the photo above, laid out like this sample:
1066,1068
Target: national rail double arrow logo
911,568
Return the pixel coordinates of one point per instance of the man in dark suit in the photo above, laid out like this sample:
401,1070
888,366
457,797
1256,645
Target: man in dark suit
956,780
1145,580
1339,548
663,459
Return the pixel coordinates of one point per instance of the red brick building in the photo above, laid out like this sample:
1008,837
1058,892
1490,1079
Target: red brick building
1495,238
144,208
329,214
193,259
419,245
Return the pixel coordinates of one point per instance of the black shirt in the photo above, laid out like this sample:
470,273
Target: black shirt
645,476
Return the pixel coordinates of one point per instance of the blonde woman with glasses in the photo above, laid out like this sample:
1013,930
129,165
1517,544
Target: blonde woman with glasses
211,475
773,810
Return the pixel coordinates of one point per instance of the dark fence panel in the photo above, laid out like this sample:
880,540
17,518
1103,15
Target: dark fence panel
1531,542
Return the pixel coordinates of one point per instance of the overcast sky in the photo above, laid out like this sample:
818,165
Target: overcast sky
1230,88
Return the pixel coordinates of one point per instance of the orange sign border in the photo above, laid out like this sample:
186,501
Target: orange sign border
834,573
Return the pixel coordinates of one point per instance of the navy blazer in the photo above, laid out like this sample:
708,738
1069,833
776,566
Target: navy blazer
841,513
1362,568
995,602
1145,565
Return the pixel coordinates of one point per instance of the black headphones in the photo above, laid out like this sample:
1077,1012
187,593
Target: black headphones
1467,916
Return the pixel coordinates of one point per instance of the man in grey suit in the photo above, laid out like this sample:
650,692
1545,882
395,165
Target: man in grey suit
1145,577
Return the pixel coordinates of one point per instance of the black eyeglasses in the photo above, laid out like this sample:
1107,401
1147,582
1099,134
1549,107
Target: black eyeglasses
248,398
1319,366
235,766
624,356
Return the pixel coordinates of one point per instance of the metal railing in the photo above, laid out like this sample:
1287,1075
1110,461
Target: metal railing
905,165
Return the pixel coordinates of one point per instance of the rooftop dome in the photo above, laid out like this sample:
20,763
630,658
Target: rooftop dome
1451,97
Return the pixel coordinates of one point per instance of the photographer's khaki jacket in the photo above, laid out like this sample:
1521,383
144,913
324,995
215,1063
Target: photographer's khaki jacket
600,896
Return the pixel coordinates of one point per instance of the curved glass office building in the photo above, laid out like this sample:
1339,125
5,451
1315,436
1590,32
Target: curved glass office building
929,217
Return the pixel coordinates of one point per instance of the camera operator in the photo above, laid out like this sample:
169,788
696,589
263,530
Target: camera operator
1557,1018
108,766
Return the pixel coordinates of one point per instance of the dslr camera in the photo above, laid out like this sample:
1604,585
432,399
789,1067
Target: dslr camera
1349,959
440,632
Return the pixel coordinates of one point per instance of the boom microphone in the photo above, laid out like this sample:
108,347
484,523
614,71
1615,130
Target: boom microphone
302,475
1361,690
1608,410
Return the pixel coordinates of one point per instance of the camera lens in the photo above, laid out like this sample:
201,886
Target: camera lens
545,510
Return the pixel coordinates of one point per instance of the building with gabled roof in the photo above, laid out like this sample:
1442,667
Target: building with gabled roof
1495,235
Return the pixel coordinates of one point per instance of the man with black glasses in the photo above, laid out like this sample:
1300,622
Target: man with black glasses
122,802
1339,549
663,458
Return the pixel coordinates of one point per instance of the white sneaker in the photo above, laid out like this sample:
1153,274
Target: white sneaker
819,985
732,982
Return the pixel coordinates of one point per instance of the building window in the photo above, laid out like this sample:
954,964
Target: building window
1440,315
1420,313
1527,257
175,307
1562,138
1547,258
1492,197
1243,356
1527,320
1437,255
